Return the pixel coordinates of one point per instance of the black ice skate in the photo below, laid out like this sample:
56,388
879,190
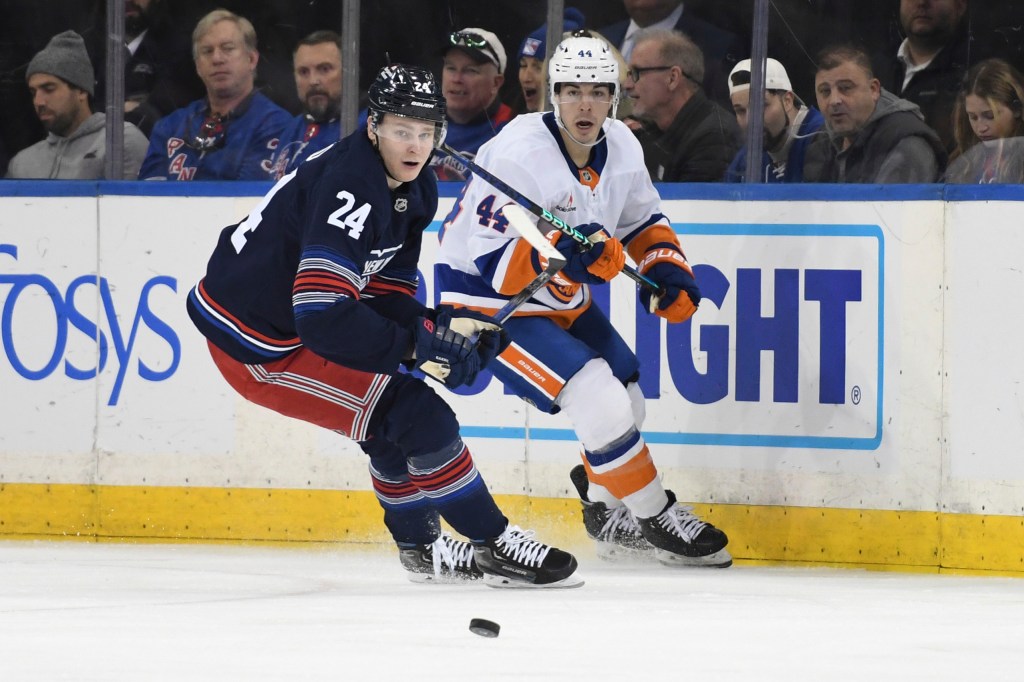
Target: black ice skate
515,559
446,560
615,532
681,538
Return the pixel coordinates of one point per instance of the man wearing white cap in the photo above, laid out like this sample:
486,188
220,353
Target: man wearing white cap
789,125
474,70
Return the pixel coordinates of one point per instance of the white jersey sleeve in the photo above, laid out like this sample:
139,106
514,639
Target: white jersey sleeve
482,263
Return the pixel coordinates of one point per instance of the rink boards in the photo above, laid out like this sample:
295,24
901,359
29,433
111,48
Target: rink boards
847,392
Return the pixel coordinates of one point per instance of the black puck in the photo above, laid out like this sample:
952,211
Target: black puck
483,627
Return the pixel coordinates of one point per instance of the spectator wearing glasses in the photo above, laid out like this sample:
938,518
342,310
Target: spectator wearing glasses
233,132
474,69
317,61
789,125
685,136
61,80
872,136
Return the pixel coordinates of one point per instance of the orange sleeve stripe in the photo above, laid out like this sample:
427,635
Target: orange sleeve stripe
630,477
655,234
520,271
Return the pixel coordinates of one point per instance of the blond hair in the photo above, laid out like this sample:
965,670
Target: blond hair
215,17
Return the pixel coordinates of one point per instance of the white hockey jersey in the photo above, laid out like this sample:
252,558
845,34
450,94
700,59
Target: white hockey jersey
483,263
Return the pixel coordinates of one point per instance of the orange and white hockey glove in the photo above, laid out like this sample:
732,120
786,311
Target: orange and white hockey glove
663,261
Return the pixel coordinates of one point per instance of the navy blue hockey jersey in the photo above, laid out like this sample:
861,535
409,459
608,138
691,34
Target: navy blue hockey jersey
328,260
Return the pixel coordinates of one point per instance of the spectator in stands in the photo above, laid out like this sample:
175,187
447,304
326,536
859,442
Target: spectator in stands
929,66
159,74
317,61
789,125
233,132
61,81
474,69
532,52
873,135
686,137
988,126
721,48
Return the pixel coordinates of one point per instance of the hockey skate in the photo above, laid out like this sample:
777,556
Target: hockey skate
515,559
681,538
615,532
445,560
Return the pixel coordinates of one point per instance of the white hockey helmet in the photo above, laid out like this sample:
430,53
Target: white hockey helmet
583,60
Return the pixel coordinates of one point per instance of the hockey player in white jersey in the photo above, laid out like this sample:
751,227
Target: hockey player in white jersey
586,168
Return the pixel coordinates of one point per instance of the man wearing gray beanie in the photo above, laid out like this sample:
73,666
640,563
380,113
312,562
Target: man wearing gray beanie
61,81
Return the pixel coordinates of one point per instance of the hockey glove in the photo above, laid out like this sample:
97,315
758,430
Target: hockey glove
474,324
668,267
446,348
595,266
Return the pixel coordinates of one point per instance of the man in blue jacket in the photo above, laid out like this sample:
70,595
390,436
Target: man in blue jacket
233,132
789,125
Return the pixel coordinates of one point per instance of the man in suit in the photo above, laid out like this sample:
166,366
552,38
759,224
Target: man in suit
722,49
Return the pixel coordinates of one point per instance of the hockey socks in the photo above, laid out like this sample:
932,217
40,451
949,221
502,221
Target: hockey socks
446,483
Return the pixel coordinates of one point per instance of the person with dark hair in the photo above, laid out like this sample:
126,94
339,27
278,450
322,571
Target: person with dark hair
61,80
309,308
159,75
232,133
872,135
317,61
988,126
583,167
789,125
929,65
686,137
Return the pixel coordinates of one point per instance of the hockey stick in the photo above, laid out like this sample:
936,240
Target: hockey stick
470,327
545,215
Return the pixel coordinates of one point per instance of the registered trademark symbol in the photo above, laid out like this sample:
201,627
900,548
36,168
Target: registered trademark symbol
855,395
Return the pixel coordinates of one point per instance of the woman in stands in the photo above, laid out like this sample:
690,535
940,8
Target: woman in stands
988,127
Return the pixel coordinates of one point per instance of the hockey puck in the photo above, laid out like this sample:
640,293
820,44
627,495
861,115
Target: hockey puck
483,627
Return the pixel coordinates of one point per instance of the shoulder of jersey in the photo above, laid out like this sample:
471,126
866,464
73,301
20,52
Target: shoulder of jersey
620,137
524,140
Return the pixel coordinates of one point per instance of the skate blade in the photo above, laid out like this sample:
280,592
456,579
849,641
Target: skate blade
431,579
502,582
607,551
720,559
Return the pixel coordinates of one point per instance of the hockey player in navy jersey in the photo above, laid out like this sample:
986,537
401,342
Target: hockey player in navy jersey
308,308
587,169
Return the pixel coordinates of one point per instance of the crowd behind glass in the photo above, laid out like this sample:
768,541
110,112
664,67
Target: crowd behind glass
893,91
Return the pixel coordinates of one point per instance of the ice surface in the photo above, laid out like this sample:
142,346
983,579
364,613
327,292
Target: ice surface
111,612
